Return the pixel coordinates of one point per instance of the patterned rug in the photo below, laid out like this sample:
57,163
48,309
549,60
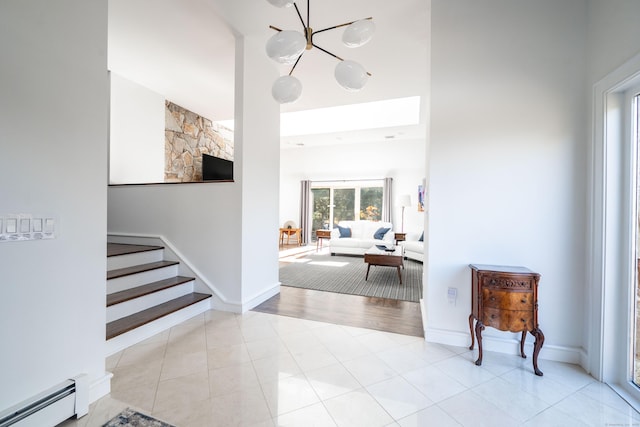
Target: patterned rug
131,418
346,275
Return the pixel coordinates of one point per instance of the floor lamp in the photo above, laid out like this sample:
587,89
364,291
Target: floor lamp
405,202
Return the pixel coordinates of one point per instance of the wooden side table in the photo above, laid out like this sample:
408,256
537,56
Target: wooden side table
322,234
505,298
400,237
288,232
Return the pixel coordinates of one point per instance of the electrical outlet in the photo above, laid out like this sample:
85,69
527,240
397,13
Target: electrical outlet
452,295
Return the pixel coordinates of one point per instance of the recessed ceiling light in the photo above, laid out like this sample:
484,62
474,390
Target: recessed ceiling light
389,136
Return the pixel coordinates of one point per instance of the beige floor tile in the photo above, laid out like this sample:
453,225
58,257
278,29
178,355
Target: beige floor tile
176,394
137,375
553,417
276,367
357,409
314,358
595,413
178,365
431,416
332,381
232,378
220,357
224,338
247,407
142,353
260,349
434,383
369,369
311,416
199,414
289,394
187,342
469,409
105,409
398,397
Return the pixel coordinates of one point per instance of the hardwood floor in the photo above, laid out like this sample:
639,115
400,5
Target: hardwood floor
381,314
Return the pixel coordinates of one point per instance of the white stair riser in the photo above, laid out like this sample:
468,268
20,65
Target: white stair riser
130,307
137,335
129,260
134,280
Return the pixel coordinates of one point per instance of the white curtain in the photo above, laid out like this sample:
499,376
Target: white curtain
387,197
305,215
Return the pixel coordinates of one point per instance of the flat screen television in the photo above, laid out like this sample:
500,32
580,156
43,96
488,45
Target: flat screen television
216,169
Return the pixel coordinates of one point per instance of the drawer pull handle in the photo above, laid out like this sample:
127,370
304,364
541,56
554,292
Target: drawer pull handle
492,299
523,300
523,321
493,316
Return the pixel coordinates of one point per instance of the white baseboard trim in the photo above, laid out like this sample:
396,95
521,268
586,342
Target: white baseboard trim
100,387
260,297
137,335
556,353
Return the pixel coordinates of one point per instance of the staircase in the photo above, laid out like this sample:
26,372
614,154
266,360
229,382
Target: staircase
146,295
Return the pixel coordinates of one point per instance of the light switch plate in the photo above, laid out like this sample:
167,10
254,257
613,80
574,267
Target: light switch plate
12,225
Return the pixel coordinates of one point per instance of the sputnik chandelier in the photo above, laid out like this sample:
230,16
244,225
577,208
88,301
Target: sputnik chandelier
287,47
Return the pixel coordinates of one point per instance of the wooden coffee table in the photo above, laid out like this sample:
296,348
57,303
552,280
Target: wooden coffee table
377,256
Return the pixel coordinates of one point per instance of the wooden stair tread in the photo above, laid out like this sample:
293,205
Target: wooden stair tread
127,271
115,249
149,288
126,324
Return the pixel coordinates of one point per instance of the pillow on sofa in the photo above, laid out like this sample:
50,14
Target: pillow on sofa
379,234
344,231
421,239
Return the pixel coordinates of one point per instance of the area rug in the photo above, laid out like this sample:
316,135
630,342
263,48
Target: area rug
346,275
131,418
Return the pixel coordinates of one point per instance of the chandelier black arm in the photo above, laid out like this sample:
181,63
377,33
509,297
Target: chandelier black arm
327,52
341,25
335,56
304,27
296,63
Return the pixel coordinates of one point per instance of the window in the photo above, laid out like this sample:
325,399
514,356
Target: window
347,201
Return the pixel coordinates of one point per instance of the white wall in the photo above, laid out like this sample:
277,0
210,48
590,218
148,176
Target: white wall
508,160
258,129
613,35
227,231
136,133
53,133
401,160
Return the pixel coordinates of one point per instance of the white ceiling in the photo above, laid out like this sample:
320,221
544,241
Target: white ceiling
184,49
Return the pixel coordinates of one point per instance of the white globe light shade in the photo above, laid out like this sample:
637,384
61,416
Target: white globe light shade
286,46
351,75
281,3
358,33
286,89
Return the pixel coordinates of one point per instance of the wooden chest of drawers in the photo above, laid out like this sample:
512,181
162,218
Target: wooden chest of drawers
505,298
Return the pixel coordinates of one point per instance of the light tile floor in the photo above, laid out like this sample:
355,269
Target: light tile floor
256,369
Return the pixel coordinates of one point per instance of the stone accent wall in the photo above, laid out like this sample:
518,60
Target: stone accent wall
187,137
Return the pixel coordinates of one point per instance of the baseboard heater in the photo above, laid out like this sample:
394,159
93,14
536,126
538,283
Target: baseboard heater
51,407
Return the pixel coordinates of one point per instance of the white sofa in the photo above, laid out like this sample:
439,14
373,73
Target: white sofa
413,248
361,237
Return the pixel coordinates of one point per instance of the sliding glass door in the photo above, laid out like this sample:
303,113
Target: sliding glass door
634,309
347,201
